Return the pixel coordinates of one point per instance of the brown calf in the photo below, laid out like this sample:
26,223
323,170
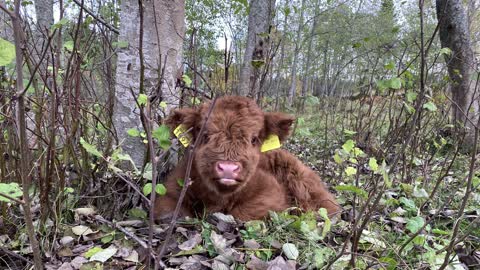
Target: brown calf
231,174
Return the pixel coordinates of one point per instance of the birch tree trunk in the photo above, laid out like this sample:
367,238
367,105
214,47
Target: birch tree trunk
279,76
259,19
454,34
163,32
293,85
307,75
44,14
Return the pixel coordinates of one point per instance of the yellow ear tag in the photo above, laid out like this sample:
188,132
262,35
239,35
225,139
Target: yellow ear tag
271,142
183,137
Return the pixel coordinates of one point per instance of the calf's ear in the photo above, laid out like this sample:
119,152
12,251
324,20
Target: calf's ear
278,124
187,117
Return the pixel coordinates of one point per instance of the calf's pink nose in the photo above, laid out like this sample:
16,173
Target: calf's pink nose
228,169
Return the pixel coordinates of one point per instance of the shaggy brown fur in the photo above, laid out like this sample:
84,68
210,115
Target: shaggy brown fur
231,175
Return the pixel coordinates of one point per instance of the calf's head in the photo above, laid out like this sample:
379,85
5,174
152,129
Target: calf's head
229,150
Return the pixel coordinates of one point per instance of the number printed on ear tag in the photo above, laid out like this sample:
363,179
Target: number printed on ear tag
270,143
183,137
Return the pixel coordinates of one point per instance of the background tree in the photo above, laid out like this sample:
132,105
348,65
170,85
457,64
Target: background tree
259,26
455,35
150,64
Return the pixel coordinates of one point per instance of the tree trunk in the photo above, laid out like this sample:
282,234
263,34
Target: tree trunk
306,69
454,34
293,85
259,19
44,14
278,89
164,28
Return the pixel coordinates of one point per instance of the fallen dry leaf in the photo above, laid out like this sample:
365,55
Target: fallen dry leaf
133,257
85,211
256,264
82,230
65,252
279,263
66,240
78,262
252,244
191,243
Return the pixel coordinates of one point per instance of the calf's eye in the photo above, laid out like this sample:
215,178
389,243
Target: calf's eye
255,140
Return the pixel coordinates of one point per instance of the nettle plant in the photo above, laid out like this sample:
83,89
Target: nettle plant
350,158
161,135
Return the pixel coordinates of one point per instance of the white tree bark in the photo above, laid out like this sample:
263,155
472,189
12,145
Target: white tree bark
44,14
454,34
164,29
293,86
259,19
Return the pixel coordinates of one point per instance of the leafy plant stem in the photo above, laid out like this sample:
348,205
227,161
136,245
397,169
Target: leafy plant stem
191,152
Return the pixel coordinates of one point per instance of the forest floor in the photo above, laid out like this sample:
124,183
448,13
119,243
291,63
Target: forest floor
405,230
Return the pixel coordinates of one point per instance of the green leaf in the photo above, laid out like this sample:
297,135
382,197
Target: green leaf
7,52
92,251
133,132
142,99
59,24
337,158
147,189
186,80
411,96
290,250
107,239
195,101
68,45
162,134
372,163
180,182
419,193
415,224
11,189
396,83
26,3
351,188
300,121
163,105
120,44
357,152
441,232
408,204
148,171
328,223
258,63
137,213
348,146
350,171
390,66
430,106
357,45
160,189
104,255
382,85
349,132
392,263
196,250
409,108
312,100
321,256
90,148
446,51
